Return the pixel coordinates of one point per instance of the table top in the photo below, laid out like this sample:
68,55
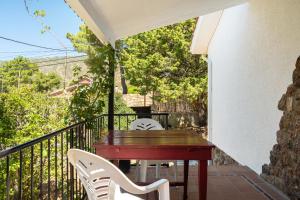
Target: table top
155,138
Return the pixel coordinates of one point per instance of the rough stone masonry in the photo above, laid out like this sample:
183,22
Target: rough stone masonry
284,168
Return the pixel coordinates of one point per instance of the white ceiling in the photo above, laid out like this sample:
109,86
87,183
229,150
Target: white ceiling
111,20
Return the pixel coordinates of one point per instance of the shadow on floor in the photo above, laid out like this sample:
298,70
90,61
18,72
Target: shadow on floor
224,183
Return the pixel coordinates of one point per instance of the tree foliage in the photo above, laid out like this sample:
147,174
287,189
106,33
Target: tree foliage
26,114
20,71
160,61
91,101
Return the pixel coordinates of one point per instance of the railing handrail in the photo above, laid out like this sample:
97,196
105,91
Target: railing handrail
19,147
132,114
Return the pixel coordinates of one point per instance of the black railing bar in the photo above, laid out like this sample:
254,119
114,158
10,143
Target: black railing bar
62,162
49,165
76,184
7,178
88,138
20,175
127,122
71,167
77,137
55,160
31,171
67,165
134,114
84,135
35,141
167,122
119,121
41,170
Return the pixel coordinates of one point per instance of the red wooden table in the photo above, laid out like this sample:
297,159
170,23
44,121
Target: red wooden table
160,145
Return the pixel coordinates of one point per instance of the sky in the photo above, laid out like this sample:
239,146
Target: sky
17,24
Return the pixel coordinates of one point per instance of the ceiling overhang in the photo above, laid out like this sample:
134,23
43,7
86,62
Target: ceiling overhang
111,20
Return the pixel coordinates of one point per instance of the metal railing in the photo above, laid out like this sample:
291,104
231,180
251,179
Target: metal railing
39,169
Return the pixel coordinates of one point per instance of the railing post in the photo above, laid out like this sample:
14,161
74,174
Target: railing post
167,121
20,188
71,167
7,178
80,136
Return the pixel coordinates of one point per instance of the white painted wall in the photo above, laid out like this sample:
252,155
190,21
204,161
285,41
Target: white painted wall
253,54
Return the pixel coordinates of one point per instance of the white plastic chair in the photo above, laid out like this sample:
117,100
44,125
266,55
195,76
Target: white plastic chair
102,180
149,124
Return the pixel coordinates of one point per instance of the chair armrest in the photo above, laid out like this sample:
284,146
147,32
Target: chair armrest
162,186
163,189
155,186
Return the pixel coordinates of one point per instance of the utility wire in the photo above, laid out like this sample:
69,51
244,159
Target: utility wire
36,56
57,59
29,51
40,66
34,45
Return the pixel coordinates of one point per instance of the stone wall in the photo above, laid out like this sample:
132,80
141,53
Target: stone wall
136,100
184,120
284,168
221,158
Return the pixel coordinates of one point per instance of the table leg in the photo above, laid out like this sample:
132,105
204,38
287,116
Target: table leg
202,179
115,162
185,178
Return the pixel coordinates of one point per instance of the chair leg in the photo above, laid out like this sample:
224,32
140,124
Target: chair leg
164,192
137,170
157,173
175,170
143,174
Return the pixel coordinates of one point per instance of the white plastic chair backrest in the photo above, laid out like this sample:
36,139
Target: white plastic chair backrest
100,178
145,124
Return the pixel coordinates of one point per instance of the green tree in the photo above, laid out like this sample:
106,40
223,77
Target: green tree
26,114
160,61
157,61
89,101
20,71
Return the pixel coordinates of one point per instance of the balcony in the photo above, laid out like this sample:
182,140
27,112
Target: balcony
39,169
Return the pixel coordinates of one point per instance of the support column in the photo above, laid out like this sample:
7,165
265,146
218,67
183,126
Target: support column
111,91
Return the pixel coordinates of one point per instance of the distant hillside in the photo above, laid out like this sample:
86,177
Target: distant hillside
57,65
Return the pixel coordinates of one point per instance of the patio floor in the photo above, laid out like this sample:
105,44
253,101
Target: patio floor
224,183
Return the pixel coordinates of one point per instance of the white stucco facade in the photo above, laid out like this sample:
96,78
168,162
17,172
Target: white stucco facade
252,55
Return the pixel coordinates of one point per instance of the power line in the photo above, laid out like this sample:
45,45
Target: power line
34,45
16,52
35,56
40,66
52,60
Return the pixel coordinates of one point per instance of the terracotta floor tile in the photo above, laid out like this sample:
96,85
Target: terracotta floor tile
224,183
